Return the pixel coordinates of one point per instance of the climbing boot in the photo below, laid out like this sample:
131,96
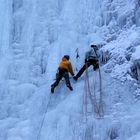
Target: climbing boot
70,88
52,89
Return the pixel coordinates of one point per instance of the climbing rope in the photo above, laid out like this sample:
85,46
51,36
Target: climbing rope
85,100
97,106
92,97
43,119
87,95
101,96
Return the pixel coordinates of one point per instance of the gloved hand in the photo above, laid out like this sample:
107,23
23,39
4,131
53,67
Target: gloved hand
75,78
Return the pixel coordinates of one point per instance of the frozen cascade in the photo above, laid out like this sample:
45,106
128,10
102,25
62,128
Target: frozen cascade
4,27
5,19
34,35
21,41
16,5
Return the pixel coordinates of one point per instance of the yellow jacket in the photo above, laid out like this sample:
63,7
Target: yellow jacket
66,64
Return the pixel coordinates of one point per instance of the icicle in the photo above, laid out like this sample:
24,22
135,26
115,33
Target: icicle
16,5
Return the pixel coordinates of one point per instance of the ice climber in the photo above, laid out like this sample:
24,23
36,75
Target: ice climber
91,58
64,69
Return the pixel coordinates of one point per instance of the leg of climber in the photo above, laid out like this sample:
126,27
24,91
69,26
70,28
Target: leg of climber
67,80
86,65
58,78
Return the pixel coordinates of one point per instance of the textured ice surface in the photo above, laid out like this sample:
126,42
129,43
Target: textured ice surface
34,35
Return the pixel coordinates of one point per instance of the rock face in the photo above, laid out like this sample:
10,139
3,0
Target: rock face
135,70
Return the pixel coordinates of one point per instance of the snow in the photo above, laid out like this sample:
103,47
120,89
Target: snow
136,54
34,36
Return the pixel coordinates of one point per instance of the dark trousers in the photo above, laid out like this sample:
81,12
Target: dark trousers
62,73
90,62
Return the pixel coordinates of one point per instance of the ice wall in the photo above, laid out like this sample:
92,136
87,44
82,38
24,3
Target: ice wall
30,27
4,26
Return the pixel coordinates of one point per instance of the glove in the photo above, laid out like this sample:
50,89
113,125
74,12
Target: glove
75,78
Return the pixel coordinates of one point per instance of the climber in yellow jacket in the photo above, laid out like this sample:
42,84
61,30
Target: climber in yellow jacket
64,69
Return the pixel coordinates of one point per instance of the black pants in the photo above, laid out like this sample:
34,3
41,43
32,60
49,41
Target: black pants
62,73
90,62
